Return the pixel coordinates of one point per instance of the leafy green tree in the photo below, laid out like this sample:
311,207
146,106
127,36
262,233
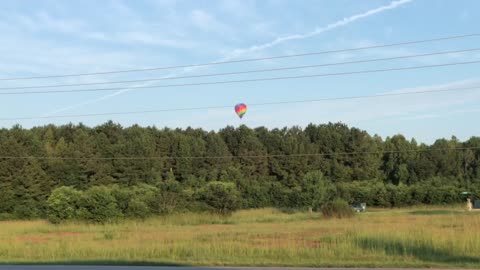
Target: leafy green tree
397,159
83,158
315,190
63,204
32,187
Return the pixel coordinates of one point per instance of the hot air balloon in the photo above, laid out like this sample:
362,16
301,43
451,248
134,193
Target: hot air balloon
240,109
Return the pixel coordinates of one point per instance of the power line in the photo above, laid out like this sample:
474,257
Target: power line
244,72
239,81
244,156
250,105
246,60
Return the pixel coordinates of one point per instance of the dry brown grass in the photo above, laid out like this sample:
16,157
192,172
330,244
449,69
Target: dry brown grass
408,237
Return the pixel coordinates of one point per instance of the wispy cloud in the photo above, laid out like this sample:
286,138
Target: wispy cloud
133,32
457,84
137,37
318,30
88,102
408,107
202,18
207,22
43,21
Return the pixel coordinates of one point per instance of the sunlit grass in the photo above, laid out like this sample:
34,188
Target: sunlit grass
414,237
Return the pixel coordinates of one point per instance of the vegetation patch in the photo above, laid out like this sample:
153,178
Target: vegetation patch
403,240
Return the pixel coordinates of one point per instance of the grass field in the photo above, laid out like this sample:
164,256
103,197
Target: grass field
428,237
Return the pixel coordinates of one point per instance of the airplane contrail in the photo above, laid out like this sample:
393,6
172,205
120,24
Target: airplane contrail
320,30
238,52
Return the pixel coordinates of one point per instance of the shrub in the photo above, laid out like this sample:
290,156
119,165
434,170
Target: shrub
137,208
98,205
135,202
314,191
108,235
337,209
146,193
379,195
63,204
400,195
170,197
255,194
167,202
122,197
6,216
223,198
27,210
279,194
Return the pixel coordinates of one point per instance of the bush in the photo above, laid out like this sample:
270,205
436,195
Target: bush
122,197
135,202
170,197
137,208
357,191
167,202
25,211
313,190
6,216
98,205
379,195
400,196
146,193
279,194
223,198
63,204
255,194
418,193
337,209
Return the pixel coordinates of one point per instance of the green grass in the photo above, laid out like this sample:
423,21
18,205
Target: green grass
421,237
436,212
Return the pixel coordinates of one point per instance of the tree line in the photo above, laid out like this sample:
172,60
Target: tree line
289,167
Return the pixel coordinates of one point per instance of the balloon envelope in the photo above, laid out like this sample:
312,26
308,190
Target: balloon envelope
241,109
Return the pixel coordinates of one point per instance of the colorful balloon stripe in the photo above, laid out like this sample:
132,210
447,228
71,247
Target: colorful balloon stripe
240,109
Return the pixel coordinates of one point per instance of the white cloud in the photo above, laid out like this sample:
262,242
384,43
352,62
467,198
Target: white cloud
413,107
239,8
164,3
42,21
264,28
131,30
452,85
320,30
207,22
202,18
121,9
146,38
60,25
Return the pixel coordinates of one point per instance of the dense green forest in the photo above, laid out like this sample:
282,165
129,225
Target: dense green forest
137,171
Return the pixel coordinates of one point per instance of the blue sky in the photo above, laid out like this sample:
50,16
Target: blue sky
63,37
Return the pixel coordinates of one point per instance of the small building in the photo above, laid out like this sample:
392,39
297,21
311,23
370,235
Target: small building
476,204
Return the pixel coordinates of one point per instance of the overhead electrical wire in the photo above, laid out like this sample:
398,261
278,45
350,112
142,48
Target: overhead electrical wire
246,60
250,104
244,72
244,156
239,81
